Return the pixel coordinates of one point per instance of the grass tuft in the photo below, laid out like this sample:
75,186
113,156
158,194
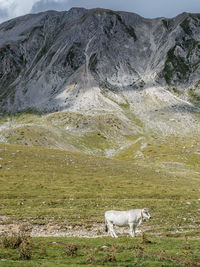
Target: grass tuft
71,250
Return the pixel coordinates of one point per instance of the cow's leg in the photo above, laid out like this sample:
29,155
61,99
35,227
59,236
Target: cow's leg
112,232
110,228
132,230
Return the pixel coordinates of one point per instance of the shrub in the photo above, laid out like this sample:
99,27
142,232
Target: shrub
185,25
139,251
131,32
145,239
25,250
91,258
71,250
20,241
13,241
5,241
194,96
109,257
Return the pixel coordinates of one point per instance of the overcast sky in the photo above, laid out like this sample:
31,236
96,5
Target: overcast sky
146,8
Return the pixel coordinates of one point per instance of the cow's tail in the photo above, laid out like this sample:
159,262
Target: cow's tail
106,226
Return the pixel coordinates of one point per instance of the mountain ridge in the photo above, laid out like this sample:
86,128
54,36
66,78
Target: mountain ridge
43,27
89,62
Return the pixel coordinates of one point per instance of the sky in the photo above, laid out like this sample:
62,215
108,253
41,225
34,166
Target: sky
146,8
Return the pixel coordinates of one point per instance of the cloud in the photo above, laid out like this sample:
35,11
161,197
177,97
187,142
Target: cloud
13,8
3,14
4,9
146,8
59,5
43,5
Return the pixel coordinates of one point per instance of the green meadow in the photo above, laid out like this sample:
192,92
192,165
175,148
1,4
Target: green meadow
174,252
71,189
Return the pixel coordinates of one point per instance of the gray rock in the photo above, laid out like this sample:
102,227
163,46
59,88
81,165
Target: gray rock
67,60
98,59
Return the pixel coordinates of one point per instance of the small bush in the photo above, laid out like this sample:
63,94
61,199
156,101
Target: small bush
139,251
194,96
20,241
71,250
145,239
185,25
25,250
131,32
91,258
13,241
116,248
43,251
5,241
109,257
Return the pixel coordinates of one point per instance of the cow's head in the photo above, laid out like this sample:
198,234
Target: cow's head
146,215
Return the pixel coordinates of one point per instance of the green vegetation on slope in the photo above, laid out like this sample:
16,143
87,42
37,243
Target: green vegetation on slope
95,133
38,184
175,64
185,25
104,252
180,61
49,187
194,96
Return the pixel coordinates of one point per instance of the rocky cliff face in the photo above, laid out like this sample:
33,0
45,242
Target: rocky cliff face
69,60
88,60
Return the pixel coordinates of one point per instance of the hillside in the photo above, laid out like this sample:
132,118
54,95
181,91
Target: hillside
95,59
98,81
52,191
99,110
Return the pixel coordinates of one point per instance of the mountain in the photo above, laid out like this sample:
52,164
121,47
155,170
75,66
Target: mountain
114,77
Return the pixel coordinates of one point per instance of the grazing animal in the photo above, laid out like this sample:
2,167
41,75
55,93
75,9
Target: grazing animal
133,218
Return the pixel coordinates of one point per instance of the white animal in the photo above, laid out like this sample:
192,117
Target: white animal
133,218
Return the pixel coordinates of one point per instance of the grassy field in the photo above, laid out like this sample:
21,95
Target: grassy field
40,185
97,133
128,252
44,183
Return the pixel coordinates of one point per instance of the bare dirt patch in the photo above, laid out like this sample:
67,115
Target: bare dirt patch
56,230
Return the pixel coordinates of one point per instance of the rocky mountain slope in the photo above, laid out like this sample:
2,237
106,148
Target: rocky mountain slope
113,75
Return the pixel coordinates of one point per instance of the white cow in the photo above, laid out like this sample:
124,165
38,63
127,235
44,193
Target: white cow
133,218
